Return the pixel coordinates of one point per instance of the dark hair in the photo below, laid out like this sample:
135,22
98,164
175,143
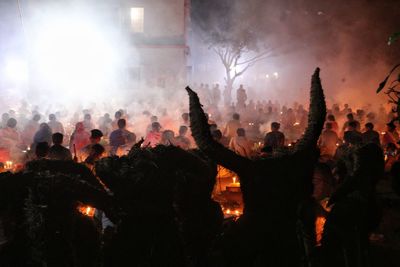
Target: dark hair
275,125
236,116
118,114
52,117
121,123
12,123
87,117
42,149
155,125
217,135
96,133
57,138
185,116
369,125
331,117
353,124
183,129
350,116
36,117
328,125
241,132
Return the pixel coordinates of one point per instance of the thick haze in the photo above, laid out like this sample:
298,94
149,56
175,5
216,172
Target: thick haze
347,39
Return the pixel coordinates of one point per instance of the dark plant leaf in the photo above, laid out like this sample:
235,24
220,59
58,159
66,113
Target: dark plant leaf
383,83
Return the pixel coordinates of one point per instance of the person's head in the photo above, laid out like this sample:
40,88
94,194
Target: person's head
95,136
369,126
11,123
352,126
331,117
155,126
216,135
153,119
328,126
121,123
106,115
236,116
36,117
87,117
95,153
44,127
52,117
350,116
275,126
346,106
241,132
118,115
213,127
183,130
185,116
390,127
5,116
57,138
391,147
42,150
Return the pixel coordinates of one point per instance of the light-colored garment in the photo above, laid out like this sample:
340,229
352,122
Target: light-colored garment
241,146
231,128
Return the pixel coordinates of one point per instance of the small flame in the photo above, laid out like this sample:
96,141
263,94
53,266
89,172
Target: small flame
228,211
87,210
382,133
296,123
234,180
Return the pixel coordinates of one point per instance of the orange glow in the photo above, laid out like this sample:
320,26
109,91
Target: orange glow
319,228
87,210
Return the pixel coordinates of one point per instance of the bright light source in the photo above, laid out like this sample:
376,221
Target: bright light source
276,75
16,70
75,55
137,19
267,76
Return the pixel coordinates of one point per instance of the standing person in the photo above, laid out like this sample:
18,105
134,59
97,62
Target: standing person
30,129
117,117
391,135
216,93
121,137
79,139
332,120
227,96
10,138
240,144
105,124
352,134
232,126
42,135
241,97
181,140
96,152
87,122
4,120
185,119
370,136
350,118
153,138
328,140
58,151
275,138
149,127
56,126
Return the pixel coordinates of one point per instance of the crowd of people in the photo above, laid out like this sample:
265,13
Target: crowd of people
249,128
258,130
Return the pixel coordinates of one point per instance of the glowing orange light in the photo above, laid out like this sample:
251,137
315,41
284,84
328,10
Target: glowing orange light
319,228
87,210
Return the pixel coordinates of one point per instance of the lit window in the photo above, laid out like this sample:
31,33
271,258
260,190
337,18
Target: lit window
137,19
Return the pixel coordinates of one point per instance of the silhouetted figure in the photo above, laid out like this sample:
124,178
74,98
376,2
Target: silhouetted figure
42,150
42,135
370,136
275,138
58,151
56,126
121,137
153,138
